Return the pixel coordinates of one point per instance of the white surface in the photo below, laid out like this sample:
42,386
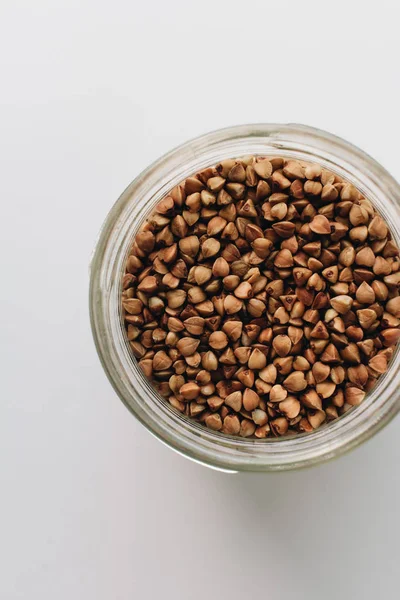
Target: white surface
92,507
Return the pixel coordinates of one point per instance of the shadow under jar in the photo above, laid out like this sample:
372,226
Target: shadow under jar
192,439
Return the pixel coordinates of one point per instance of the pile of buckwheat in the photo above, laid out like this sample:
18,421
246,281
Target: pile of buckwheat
261,297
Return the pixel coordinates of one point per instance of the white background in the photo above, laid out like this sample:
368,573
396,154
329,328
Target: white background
91,506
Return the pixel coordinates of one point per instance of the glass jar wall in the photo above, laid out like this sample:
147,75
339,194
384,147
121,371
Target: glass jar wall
187,437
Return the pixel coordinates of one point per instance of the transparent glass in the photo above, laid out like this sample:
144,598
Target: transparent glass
177,431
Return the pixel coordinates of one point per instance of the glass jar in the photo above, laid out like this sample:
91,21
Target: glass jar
193,440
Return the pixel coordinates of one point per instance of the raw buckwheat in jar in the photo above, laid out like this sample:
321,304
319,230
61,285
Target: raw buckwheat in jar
244,297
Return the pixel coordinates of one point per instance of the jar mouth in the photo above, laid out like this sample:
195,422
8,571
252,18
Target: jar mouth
212,448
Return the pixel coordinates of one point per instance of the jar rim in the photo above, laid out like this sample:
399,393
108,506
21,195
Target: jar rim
183,435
